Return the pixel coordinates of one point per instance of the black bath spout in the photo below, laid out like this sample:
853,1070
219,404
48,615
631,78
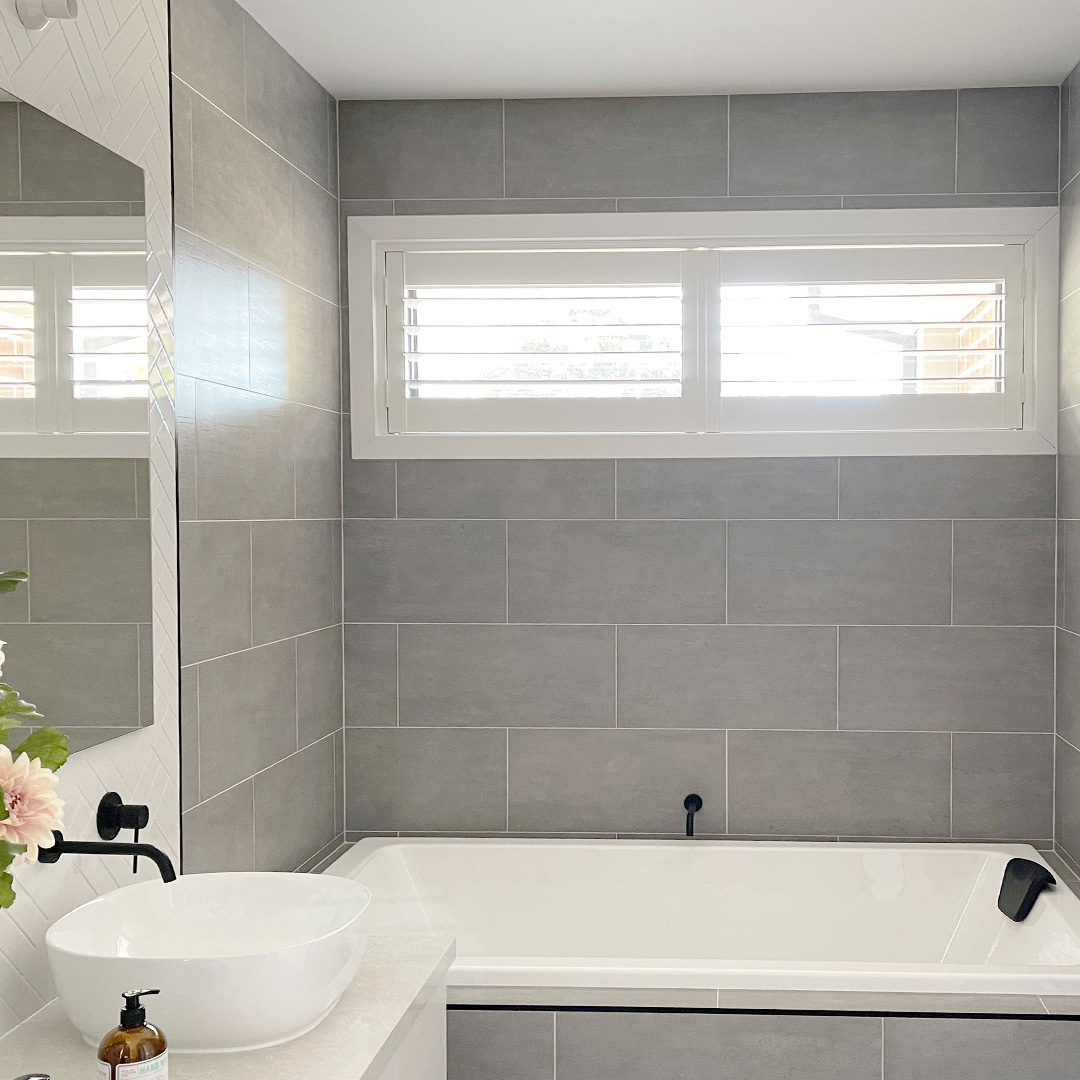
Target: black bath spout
1020,887
100,847
691,804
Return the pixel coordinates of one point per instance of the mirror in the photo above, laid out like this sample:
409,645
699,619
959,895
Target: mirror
74,476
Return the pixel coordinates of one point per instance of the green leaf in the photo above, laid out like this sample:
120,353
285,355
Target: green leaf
3,815
8,851
6,724
11,579
13,705
7,891
48,745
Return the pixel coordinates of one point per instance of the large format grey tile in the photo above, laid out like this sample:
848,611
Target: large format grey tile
1067,714
616,571
1007,139
978,1049
838,571
507,676
506,489
1009,486
1069,337
404,207
702,1046
727,676
1068,576
218,833
425,571
420,149
189,738
1067,798
420,779
295,578
212,307
295,343
76,675
371,675
14,555
1070,126
247,714
48,153
485,1044
215,588
950,201
843,144
617,780
244,454
207,46
146,674
317,462
1070,238
284,837
182,95
819,783
9,151
68,488
315,238
1003,786
574,147
1003,572
904,678
241,190
368,488
90,571
727,488
286,107
318,684
712,203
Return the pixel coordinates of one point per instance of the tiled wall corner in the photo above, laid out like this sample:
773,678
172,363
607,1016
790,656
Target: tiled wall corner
260,434
70,72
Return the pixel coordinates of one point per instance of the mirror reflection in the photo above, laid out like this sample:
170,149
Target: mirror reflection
74,477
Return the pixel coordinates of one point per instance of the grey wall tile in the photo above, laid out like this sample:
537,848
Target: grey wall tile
67,488
189,738
90,571
425,571
1070,239
247,714
838,572
14,554
244,454
907,202
843,144
727,676
618,780
901,678
76,675
142,488
295,578
212,308
1069,342
506,489
1068,576
727,488
978,1049
1069,462
1070,136
285,106
284,838
1003,785
493,1045
371,675
823,783
315,238
733,202
181,158
1006,139
1013,486
420,149
295,343
507,676
218,834
241,190
405,207
215,589
9,151
318,684
616,571
1068,687
207,47
1067,798
575,147
47,150
368,488
317,435
642,1046
1003,572
426,780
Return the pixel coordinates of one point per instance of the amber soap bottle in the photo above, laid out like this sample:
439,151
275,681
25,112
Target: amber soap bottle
135,1049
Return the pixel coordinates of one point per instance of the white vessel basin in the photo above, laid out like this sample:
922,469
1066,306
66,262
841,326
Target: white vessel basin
242,960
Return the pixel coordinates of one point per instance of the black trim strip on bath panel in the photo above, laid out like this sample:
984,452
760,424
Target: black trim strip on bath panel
703,1010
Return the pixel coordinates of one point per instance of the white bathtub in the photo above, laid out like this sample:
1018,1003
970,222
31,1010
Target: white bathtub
726,915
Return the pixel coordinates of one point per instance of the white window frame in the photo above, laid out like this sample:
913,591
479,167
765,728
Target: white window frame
1036,228
59,235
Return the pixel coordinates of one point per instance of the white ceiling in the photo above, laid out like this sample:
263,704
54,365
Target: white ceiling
560,48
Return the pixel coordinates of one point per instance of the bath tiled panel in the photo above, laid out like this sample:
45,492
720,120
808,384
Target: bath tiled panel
489,1045
260,486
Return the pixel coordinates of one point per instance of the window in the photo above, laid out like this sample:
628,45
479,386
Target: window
73,338
889,337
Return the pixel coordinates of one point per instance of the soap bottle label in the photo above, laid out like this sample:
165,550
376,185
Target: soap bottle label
154,1069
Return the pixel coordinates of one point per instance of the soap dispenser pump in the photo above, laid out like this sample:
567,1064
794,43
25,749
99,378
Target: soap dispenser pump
135,1049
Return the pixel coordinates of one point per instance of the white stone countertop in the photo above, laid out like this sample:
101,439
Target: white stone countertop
397,977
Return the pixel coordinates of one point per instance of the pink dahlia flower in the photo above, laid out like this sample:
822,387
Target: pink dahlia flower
30,801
